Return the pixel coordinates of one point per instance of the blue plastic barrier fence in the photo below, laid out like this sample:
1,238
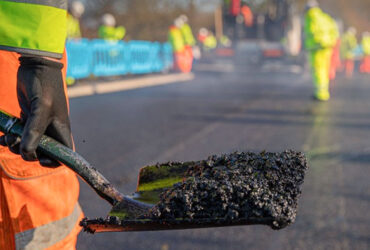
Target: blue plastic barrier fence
141,57
157,62
167,56
79,58
106,58
109,58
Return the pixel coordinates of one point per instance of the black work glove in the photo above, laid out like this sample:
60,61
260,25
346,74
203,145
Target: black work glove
44,108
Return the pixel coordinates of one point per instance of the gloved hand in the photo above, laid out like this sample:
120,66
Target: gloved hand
44,108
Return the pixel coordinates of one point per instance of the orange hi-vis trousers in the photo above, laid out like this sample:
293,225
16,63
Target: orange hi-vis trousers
365,64
184,60
349,66
335,63
38,206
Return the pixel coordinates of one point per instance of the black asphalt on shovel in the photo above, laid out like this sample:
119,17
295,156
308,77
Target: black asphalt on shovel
235,189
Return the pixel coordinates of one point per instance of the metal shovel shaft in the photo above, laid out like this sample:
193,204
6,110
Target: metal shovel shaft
71,159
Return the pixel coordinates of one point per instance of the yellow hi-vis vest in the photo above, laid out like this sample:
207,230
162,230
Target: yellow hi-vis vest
187,33
320,30
73,27
365,43
176,39
36,27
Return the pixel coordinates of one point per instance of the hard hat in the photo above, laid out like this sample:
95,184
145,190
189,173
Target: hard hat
108,20
178,22
184,18
352,30
77,9
311,4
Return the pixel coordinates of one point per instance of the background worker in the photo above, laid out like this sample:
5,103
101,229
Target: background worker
225,41
365,44
320,37
207,39
108,29
186,31
231,10
189,39
175,37
75,11
183,58
348,45
247,15
39,205
202,35
335,63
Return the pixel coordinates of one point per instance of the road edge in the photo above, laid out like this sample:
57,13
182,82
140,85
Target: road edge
130,84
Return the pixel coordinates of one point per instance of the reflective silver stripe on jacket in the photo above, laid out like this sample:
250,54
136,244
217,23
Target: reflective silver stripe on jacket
47,235
61,4
31,51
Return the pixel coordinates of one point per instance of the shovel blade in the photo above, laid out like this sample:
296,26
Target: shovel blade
171,209
109,225
152,181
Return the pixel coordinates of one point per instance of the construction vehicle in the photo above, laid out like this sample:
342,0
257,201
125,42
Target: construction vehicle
271,15
276,26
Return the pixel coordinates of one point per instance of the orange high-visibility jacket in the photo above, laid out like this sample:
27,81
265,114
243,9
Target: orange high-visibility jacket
38,206
248,16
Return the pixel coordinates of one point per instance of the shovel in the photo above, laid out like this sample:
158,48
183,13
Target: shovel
152,181
127,211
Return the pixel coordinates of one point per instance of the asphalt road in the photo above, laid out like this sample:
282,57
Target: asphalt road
230,106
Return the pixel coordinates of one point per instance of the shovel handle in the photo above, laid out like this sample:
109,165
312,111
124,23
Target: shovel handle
69,158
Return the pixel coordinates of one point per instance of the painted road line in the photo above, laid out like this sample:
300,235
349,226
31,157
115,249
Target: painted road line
123,85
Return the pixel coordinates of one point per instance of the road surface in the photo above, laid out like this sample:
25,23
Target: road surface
231,105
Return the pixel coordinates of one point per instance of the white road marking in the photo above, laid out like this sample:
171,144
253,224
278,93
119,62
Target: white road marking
123,85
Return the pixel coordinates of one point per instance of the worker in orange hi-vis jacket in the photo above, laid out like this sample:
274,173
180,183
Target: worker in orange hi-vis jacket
348,46
365,44
38,198
183,55
247,15
336,62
